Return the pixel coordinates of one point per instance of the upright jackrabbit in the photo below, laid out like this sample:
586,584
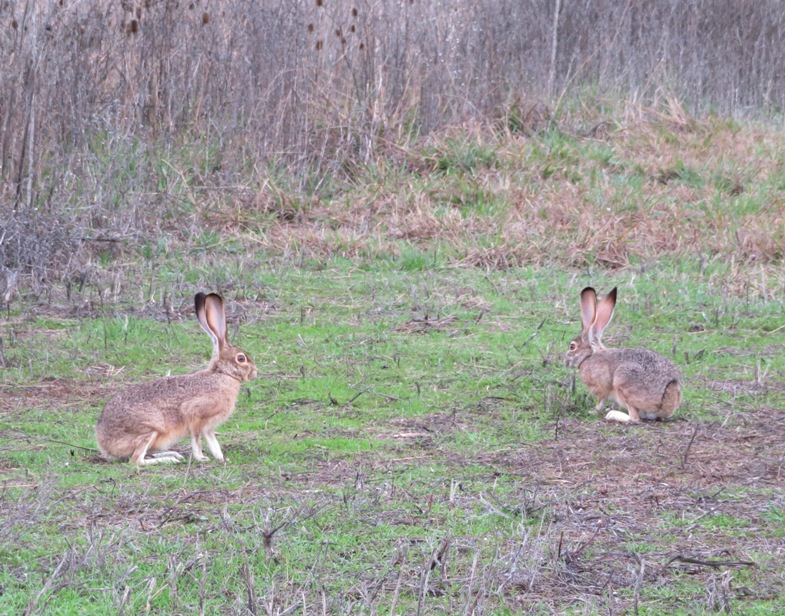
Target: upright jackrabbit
154,415
644,382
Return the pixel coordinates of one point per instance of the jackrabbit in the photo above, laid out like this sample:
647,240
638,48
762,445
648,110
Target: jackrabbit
151,416
644,382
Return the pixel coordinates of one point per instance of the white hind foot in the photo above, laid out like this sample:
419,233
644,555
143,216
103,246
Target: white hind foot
168,456
618,416
139,456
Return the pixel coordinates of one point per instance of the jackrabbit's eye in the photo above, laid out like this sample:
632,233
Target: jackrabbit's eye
573,346
241,358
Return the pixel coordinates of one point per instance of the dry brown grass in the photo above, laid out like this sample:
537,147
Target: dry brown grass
113,116
709,191
123,122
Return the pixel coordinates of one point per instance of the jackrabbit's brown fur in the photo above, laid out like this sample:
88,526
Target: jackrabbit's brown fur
644,382
152,416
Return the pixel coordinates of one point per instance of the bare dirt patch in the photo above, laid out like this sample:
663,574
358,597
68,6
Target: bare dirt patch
51,393
640,504
618,507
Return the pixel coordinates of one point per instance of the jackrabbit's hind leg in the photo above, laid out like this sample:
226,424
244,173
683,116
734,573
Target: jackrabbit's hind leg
139,456
634,415
631,416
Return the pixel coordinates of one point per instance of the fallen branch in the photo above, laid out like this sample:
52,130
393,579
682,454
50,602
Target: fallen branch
530,338
358,394
52,440
710,563
569,556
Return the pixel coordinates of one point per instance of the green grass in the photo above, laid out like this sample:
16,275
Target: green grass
413,442
371,432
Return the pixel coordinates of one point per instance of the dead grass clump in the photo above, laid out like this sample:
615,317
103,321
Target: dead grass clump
762,240
496,258
526,115
448,227
426,323
43,247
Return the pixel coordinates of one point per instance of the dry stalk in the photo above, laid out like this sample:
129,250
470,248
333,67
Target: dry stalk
398,583
638,584
687,449
53,582
247,575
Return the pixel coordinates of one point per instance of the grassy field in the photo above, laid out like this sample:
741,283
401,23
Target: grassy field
414,444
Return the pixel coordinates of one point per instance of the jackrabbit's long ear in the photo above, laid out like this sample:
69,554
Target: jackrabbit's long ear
200,305
588,307
216,319
604,314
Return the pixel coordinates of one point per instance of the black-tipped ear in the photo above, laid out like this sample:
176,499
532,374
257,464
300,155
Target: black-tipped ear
588,307
199,307
199,303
